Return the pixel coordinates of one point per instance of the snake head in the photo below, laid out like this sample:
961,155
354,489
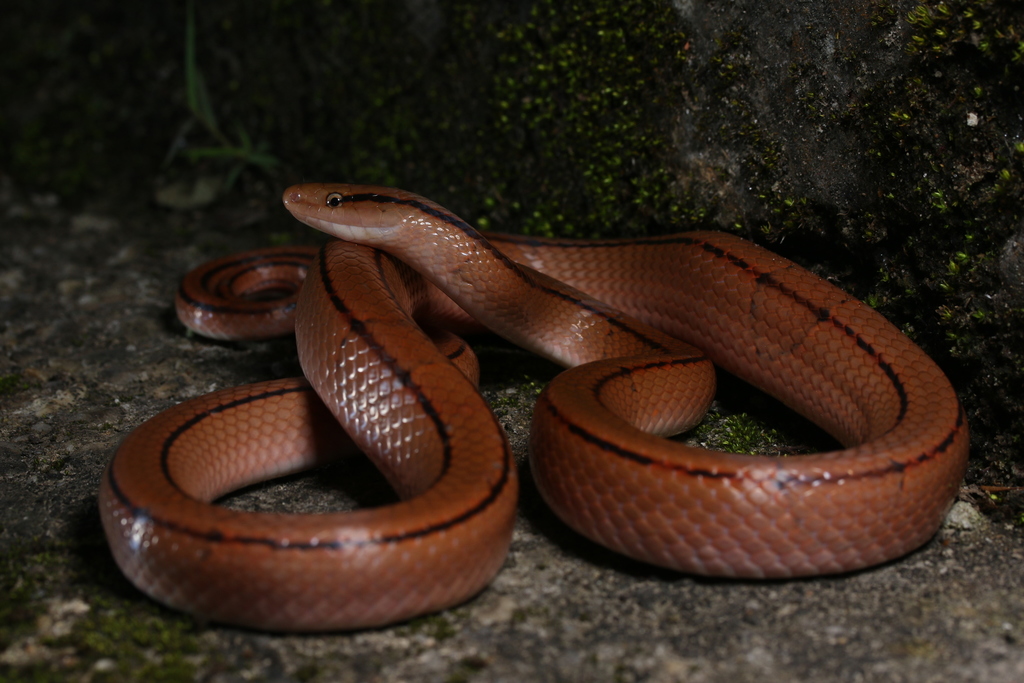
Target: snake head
425,235
366,214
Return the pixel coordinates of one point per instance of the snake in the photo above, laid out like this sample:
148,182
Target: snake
641,325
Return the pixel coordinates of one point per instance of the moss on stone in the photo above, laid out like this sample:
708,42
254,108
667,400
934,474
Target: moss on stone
9,384
938,135
739,433
102,636
582,96
437,626
991,26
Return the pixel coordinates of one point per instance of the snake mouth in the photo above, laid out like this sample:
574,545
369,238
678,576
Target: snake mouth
360,234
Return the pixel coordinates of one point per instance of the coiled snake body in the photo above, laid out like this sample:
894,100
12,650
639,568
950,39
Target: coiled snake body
595,453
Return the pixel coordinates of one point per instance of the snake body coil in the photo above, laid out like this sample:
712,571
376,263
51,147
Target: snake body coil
615,311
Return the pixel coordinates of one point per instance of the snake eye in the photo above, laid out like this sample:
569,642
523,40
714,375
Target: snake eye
334,199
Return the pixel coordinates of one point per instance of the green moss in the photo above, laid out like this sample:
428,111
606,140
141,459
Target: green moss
145,644
945,165
436,626
726,79
138,639
466,668
10,384
307,672
23,570
551,120
941,28
581,97
739,433
528,389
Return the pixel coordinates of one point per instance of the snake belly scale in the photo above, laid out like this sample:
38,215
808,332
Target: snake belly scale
614,312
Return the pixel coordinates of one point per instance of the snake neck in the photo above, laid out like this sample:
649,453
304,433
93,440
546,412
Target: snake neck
460,261
522,305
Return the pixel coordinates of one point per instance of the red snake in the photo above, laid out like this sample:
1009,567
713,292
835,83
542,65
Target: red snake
593,452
